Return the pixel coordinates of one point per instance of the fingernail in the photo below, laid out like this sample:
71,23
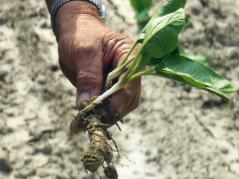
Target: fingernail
84,96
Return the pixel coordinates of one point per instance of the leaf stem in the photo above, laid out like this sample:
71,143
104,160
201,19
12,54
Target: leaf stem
129,53
117,72
141,73
116,87
122,67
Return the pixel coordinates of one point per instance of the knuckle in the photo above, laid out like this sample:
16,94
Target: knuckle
113,38
119,45
85,49
120,54
85,76
111,42
77,45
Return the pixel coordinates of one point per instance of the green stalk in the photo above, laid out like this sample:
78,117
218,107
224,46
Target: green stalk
141,73
133,67
120,84
116,73
122,67
116,87
129,53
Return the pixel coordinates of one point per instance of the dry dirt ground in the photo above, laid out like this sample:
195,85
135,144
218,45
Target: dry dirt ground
176,133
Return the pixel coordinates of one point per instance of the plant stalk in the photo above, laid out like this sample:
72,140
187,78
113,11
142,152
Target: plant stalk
141,73
116,73
116,87
122,67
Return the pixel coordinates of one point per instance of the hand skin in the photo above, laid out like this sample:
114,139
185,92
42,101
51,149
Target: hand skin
88,51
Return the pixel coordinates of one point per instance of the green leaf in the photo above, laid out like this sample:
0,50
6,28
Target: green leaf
170,6
141,5
161,34
194,74
195,57
198,58
167,7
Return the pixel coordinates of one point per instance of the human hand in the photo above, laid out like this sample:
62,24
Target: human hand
88,51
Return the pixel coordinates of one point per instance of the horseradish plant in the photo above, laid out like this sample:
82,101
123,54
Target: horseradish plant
158,54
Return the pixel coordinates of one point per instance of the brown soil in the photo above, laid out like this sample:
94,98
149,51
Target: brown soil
176,133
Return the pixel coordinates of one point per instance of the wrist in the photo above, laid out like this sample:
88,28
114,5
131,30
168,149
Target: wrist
68,15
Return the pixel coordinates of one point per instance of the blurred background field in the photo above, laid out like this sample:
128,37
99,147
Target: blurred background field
176,133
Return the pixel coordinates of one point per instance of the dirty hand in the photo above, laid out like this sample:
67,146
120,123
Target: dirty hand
88,51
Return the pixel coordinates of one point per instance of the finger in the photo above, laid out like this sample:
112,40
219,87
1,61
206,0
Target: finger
117,49
116,46
127,99
89,75
134,102
76,127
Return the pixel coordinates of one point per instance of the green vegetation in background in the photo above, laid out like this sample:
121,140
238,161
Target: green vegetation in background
142,8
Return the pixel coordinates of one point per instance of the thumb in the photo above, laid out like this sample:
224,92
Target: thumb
89,79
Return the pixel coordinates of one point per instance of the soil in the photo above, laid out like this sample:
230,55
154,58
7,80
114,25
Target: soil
176,133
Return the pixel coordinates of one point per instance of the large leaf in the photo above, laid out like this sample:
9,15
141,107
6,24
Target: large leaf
194,74
161,34
167,7
195,57
170,6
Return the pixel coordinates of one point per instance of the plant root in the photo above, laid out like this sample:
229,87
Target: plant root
99,153
99,150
